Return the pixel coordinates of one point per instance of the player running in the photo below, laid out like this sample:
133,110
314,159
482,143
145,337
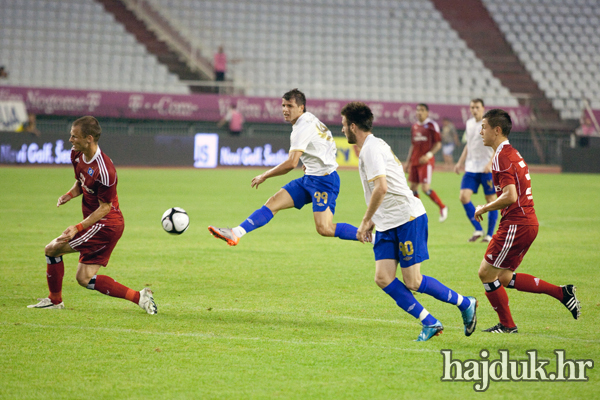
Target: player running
96,236
425,142
477,160
401,227
313,144
517,230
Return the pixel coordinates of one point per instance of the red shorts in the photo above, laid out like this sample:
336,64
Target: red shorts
509,245
96,243
420,173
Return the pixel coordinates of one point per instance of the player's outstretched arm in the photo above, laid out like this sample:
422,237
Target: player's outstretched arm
74,192
509,196
280,169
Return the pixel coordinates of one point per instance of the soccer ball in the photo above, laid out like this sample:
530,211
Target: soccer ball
175,221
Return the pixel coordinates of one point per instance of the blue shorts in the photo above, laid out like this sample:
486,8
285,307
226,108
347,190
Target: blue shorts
322,191
472,180
406,243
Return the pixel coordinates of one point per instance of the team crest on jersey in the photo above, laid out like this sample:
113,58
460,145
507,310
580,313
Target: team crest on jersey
90,171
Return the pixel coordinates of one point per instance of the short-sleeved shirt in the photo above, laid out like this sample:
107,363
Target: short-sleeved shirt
478,155
98,181
399,205
509,168
423,137
315,141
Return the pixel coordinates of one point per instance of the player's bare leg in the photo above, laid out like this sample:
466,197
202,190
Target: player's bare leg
324,223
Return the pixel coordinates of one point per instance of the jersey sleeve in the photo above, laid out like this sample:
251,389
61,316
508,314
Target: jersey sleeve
435,132
301,136
374,163
506,171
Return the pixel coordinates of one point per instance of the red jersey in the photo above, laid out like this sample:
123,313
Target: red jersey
98,181
509,168
423,137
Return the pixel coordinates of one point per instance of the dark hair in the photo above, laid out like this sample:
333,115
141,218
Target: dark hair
298,97
478,101
425,106
359,114
89,126
498,117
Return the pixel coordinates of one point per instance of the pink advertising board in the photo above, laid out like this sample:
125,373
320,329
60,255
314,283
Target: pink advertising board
212,107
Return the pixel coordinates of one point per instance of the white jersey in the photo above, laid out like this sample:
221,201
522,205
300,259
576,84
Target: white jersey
399,204
478,155
315,141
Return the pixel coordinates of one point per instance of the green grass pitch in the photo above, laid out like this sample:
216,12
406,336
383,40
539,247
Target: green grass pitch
286,314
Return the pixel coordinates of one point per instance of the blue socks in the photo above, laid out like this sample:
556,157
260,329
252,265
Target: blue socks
492,218
345,231
470,210
258,218
406,301
438,290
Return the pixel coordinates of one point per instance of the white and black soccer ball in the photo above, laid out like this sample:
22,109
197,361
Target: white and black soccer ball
175,221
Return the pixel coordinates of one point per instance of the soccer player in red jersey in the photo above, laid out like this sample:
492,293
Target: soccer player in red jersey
96,236
518,228
425,142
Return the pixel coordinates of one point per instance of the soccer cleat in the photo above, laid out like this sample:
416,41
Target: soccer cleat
225,234
470,316
147,301
443,214
501,329
47,304
476,236
570,301
430,331
486,239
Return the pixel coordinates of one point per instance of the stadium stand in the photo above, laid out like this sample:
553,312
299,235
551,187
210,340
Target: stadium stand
76,44
559,44
357,49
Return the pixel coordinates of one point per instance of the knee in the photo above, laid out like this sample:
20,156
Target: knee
325,230
484,275
82,278
464,198
382,280
50,250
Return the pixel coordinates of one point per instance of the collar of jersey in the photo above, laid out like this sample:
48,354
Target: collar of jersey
93,158
501,146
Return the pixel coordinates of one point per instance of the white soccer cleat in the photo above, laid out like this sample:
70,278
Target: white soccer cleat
486,239
147,301
47,304
443,214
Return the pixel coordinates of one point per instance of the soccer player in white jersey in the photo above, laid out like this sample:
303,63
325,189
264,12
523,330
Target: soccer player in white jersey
313,144
477,160
401,226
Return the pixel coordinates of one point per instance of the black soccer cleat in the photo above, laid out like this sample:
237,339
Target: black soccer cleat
570,301
501,329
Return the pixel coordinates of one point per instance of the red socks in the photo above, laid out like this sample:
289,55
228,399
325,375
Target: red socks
108,286
433,196
498,298
531,284
55,272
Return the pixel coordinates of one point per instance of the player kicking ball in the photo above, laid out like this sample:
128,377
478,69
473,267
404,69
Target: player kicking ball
401,227
313,144
517,231
96,236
